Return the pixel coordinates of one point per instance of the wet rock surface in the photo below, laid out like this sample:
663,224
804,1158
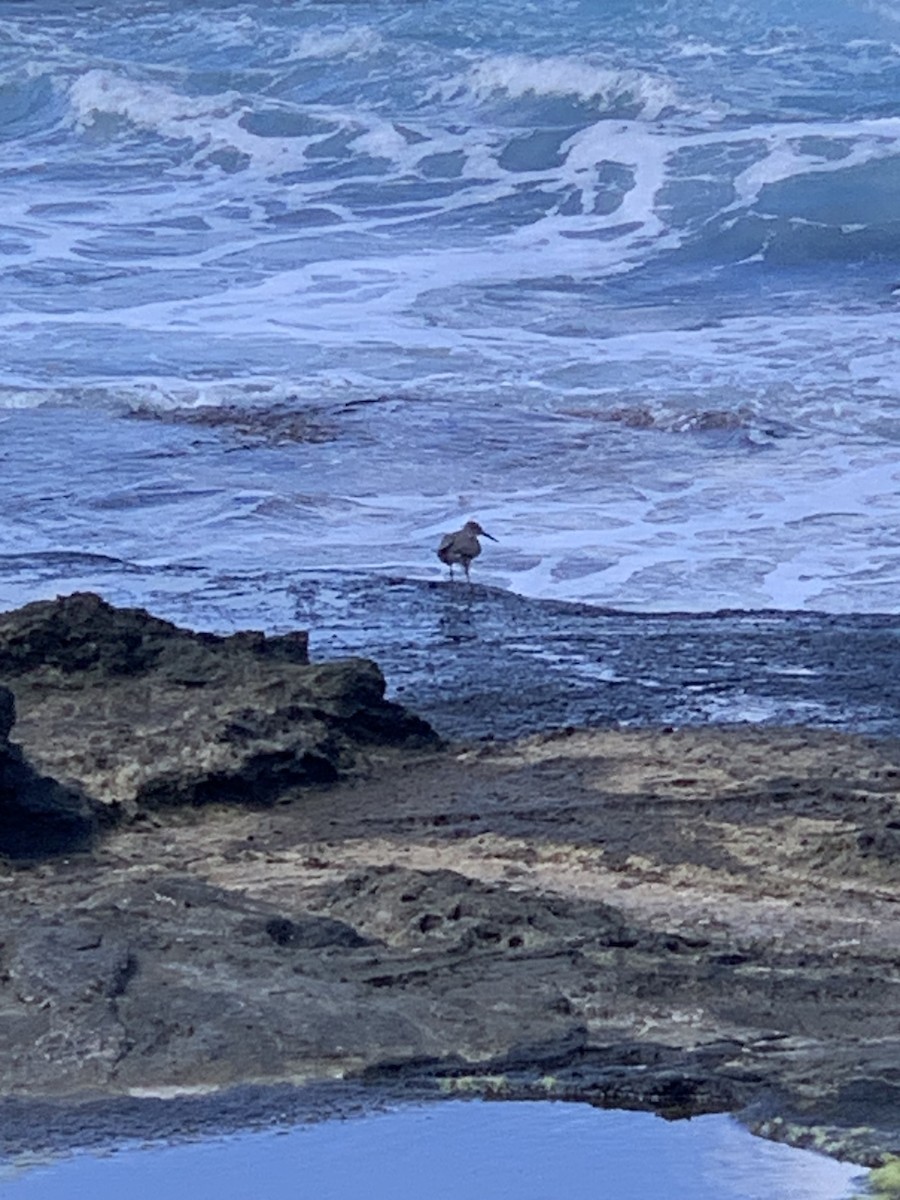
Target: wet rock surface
683,919
485,662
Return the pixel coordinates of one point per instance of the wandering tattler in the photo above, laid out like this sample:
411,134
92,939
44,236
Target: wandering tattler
462,546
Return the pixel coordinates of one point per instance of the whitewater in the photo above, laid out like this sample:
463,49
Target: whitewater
291,289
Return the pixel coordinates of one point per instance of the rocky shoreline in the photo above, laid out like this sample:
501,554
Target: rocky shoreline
238,884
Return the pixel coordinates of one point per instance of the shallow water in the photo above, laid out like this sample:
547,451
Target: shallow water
458,1151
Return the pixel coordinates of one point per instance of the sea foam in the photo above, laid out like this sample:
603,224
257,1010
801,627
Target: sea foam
518,76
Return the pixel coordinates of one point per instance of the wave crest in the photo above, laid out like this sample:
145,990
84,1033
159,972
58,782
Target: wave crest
359,42
146,105
519,76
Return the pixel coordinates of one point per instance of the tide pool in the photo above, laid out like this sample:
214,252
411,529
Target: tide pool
457,1150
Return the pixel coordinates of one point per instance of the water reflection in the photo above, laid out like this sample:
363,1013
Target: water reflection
455,616
453,1151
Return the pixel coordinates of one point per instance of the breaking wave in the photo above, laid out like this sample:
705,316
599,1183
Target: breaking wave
616,93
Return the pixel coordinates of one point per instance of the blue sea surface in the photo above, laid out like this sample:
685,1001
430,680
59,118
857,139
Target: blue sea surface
298,286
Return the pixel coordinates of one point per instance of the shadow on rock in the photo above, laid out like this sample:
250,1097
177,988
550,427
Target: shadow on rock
38,816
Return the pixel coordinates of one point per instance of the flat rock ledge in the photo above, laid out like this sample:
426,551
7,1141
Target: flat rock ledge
686,921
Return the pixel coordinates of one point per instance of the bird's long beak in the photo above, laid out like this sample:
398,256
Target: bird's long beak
488,535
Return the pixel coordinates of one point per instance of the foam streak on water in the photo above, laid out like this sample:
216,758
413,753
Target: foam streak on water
619,280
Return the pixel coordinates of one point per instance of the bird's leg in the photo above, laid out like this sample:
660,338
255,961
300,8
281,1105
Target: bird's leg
466,569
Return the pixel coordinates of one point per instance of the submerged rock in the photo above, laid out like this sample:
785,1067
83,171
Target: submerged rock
137,713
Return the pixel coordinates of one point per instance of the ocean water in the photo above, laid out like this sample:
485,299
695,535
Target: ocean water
293,287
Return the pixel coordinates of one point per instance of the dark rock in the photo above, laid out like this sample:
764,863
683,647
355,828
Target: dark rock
82,635
419,909
38,815
80,960
313,933
248,426
750,966
138,713
880,842
7,712
67,973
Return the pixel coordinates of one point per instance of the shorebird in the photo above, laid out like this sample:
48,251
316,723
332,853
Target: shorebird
462,546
